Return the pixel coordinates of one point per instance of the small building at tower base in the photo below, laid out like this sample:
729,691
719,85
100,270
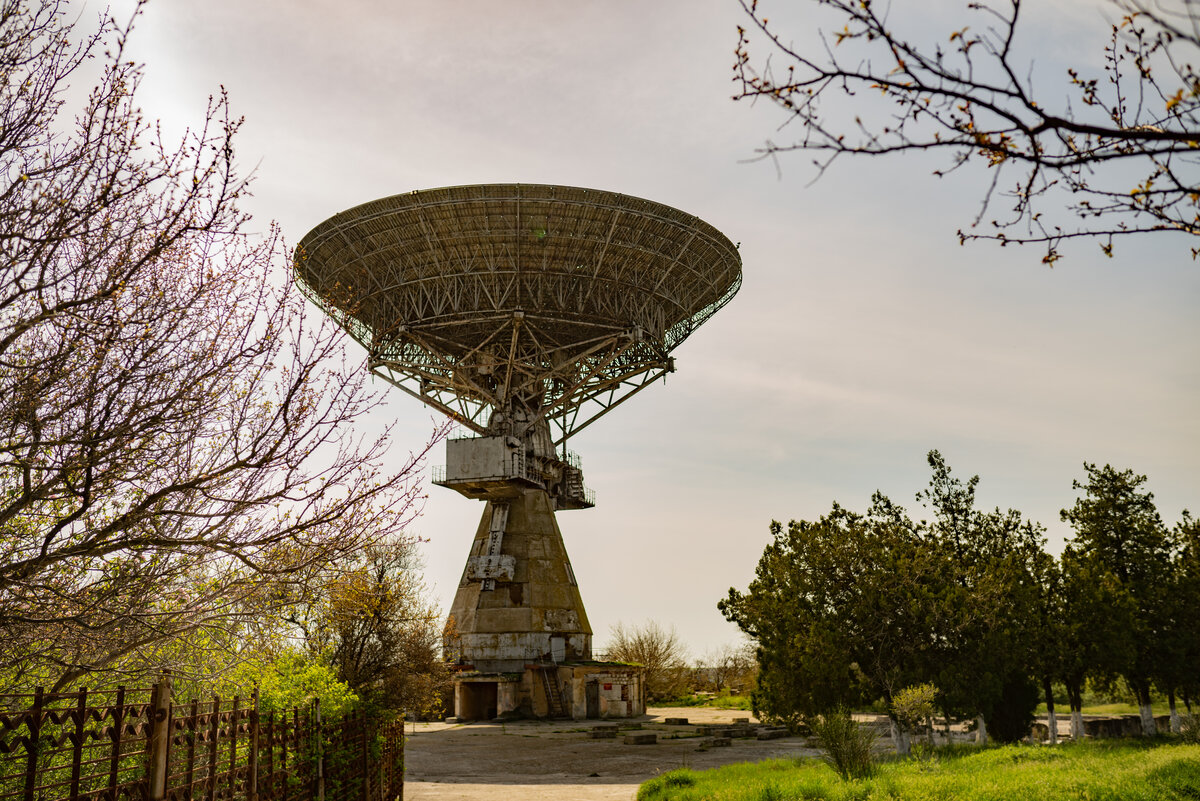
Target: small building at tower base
572,690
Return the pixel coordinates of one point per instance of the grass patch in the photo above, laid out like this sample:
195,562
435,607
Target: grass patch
710,700
1112,770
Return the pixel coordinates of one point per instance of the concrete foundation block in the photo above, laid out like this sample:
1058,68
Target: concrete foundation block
602,734
641,738
719,742
675,721
715,731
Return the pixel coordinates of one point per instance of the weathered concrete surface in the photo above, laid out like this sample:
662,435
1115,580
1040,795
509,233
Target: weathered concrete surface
554,760
536,616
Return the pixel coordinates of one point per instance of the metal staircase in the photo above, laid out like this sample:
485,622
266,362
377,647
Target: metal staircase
555,702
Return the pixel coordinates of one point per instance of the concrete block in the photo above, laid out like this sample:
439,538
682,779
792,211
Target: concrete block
772,734
715,731
641,738
720,742
675,721
602,734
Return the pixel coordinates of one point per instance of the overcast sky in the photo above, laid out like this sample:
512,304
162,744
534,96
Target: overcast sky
863,336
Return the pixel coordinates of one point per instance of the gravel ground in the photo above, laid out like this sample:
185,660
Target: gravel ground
544,760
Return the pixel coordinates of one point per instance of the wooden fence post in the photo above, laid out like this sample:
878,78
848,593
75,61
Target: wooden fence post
252,779
159,739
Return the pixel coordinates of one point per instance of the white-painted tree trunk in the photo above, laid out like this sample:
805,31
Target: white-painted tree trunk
1053,726
1175,722
981,737
1076,724
899,738
1148,727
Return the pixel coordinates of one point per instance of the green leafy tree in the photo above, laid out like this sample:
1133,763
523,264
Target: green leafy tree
1119,533
988,649
855,607
1177,672
294,680
844,609
1094,640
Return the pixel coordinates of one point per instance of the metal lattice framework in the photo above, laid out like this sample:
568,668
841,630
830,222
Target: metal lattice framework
559,301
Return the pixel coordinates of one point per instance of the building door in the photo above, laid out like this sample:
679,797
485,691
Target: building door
478,700
593,699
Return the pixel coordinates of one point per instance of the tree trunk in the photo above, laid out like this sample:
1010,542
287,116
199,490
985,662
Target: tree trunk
1175,723
1052,724
1143,697
981,737
899,737
1075,698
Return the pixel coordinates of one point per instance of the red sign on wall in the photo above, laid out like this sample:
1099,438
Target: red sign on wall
607,686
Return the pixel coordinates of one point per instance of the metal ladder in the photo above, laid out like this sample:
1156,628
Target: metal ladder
554,698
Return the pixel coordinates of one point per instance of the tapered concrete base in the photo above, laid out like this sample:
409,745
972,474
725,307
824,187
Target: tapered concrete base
534,614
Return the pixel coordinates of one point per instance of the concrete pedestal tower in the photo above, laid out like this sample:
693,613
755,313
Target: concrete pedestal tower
524,312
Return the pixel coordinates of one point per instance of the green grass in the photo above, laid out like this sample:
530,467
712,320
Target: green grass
1112,770
722,701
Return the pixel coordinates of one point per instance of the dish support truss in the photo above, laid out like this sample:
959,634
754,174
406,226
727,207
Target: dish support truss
520,366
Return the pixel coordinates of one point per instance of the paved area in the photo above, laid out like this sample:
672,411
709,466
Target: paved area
556,760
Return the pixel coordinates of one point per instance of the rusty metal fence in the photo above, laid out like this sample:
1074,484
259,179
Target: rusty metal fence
139,745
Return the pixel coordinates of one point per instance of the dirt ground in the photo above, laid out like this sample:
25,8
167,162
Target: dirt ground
544,760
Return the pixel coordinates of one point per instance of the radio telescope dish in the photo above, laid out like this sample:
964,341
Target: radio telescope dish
524,312
557,300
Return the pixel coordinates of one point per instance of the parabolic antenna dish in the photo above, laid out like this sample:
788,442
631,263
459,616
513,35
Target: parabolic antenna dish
555,302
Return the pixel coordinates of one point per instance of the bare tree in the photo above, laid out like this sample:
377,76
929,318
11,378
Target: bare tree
731,667
177,447
374,625
659,651
1119,153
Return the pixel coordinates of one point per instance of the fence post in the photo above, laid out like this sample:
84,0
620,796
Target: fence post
320,751
33,745
366,757
252,779
233,733
214,732
77,741
116,733
159,739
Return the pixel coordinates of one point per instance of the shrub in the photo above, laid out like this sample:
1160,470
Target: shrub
1189,729
847,745
1012,716
914,706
